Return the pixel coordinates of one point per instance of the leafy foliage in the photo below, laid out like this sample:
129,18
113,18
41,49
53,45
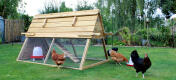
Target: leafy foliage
126,35
136,39
8,8
168,7
63,8
133,14
52,7
157,36
27,21
84,6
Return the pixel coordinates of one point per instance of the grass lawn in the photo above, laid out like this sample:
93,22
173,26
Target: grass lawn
163,67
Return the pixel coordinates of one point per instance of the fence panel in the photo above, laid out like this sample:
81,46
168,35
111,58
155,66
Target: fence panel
13,29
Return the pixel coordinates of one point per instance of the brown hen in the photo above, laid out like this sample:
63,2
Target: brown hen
115,56
58,58
118,57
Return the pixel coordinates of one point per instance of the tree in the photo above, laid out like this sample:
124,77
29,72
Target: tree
130,13
106,14
168,7
52,7
27,21
63,8
118,13
8,8
84,6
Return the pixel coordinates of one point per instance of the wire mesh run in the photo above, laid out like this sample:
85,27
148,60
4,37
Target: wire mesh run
79,53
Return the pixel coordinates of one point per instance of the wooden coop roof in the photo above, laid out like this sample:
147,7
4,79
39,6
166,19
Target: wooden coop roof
77,24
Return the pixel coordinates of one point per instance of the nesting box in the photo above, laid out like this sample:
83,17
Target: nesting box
79,35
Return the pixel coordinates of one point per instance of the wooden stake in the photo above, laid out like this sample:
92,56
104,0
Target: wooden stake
28,34
50,65
95,64
46,58
84,54
24,45
92,59
104,47
108,33
74,21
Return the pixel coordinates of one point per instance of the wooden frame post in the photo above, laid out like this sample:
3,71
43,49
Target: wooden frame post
104,47
73,48
46,58
84,54
24,45
95,64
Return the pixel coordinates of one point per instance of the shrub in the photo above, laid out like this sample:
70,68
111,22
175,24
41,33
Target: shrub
27,21
126,35
157,36
136,39
142,33
165,35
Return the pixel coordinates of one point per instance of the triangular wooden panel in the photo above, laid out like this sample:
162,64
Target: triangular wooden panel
98,28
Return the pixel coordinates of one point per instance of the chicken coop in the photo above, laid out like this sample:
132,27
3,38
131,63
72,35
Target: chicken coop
79,35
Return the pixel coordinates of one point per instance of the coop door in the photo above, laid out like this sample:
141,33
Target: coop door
35,49
71,48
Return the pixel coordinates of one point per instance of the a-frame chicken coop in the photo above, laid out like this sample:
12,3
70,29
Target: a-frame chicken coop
79,35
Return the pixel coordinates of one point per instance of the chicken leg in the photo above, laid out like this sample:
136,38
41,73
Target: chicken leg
58,67
136,74
119,63
143,76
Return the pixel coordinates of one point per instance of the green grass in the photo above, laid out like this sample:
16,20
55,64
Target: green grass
163,67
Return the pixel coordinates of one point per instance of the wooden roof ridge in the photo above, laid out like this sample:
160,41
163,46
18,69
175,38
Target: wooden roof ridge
68,14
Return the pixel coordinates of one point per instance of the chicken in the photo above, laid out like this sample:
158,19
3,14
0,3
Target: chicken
117,57
140,64
58,58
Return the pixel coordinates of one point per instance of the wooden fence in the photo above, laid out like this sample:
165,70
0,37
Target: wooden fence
13,29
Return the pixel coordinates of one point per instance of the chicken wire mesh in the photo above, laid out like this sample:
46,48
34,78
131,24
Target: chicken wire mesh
35,49
73,50
95,52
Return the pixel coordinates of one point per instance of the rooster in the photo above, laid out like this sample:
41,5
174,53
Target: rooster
58,58
117,57
140,64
